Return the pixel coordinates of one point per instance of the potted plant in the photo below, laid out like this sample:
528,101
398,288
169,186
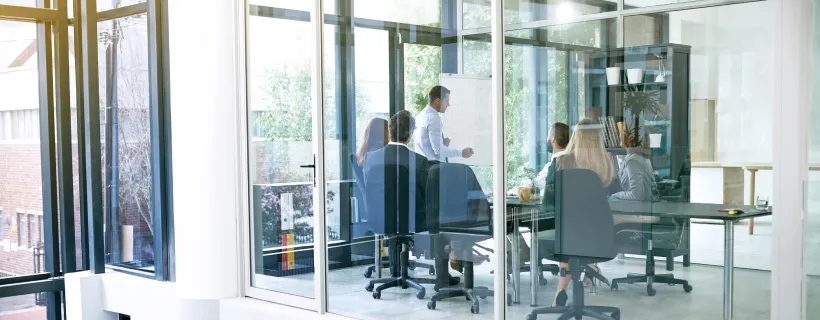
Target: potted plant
637,101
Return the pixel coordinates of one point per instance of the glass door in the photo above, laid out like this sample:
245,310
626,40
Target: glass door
281,151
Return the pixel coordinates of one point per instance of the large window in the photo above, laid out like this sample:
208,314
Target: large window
124,90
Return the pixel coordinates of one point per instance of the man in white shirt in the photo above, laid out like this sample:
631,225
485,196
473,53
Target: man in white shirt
558,140
428,137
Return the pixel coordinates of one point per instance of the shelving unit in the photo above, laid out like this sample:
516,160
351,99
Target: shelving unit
672,122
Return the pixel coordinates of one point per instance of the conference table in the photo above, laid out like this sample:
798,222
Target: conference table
531,212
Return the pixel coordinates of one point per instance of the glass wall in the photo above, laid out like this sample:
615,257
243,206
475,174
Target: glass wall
637,156
811,236
385,124
658,128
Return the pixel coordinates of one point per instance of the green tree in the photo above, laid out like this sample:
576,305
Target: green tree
287,116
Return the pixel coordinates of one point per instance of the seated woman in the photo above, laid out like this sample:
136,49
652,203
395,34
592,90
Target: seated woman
375,138
585,151
636,177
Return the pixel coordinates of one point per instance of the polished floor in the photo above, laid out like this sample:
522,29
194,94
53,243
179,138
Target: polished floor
752,286
752,296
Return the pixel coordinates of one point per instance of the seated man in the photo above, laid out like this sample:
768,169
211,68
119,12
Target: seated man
396,152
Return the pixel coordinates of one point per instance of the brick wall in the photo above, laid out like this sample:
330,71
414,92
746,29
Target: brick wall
21,188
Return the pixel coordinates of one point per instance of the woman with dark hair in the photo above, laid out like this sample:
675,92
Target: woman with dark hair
375,138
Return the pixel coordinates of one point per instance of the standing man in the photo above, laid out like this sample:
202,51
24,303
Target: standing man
428,138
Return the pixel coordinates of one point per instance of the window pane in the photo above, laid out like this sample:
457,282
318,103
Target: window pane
811,237
306,6
395,84
476,13
631,4
418,12
127,141
21,196
22,3
685,108
25,307
103,5
422,67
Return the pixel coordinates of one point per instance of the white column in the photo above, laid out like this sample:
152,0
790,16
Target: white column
791,80
205,126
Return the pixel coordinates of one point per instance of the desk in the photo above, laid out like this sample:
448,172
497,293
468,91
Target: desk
680,210
699,211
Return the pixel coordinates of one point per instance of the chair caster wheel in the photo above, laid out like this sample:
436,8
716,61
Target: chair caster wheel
543,281
616,316
412,266
420,295
651,291
431,305
554,272
687,288
405,287
368,274
613,287
432,271
509,300
531,317
377,295
369,288
474,309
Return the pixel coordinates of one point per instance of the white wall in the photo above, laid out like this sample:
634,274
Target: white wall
731,62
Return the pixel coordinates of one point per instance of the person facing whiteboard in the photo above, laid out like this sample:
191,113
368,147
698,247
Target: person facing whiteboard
428,138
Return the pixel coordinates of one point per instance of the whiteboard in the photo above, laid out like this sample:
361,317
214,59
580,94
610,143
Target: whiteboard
467,122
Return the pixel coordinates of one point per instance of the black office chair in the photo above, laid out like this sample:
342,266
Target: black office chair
584,234
457,221
361,197
391,207
659,239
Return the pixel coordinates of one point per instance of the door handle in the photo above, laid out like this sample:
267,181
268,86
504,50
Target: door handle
312,166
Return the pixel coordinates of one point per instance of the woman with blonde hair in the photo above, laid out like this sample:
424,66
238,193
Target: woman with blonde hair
584,151
375,137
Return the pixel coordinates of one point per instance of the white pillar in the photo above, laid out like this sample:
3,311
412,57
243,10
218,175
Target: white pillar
205,128
791,80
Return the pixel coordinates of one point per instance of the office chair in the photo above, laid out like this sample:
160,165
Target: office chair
652,240
391,208
584,234
457,222
680,194
361,197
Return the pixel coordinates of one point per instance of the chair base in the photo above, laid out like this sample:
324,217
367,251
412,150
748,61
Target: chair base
578,312
413,265
650,280
393,282
472,294
403,280
578,309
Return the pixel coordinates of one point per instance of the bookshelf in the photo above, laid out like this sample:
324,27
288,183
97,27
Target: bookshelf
665,80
